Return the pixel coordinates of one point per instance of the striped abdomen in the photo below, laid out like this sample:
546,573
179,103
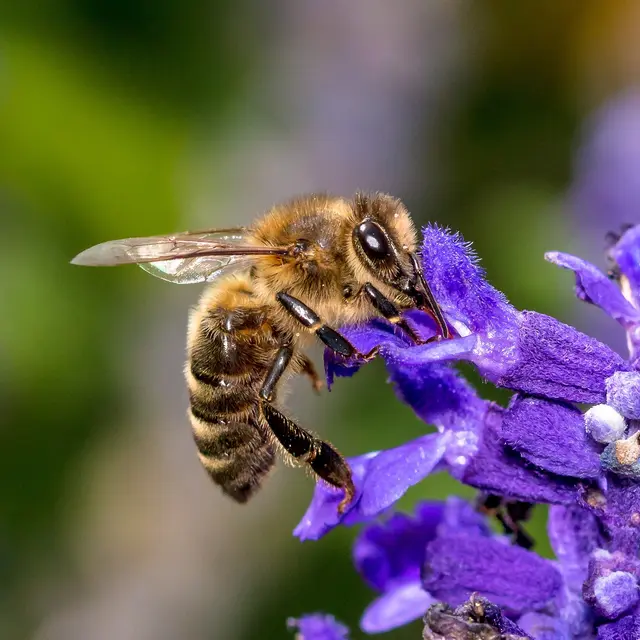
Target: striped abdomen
230,350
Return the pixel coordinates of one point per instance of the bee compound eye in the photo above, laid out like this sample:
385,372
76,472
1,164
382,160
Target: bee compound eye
373,241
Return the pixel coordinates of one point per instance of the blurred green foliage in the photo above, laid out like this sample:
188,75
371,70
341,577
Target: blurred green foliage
99,101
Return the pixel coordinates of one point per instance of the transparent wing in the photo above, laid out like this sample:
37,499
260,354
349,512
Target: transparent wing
185,258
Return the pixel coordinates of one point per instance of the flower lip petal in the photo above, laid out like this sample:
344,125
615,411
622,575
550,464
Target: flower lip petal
398,606
380,478
394,471
594,287
376,333
322,513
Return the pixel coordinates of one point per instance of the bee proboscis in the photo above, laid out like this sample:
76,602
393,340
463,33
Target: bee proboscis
302,270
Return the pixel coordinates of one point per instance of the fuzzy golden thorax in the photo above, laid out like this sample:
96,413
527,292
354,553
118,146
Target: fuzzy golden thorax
326,267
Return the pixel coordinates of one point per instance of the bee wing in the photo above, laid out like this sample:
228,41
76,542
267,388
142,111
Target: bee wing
183,258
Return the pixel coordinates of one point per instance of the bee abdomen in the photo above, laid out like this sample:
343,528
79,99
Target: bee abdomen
236,455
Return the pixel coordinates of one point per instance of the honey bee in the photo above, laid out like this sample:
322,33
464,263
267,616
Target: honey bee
306,267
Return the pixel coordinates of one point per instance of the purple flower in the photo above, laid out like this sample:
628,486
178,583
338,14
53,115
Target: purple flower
318,626
390,557
541,448
536,450
447,552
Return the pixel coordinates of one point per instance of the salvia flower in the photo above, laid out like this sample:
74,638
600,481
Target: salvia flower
541,448
318,626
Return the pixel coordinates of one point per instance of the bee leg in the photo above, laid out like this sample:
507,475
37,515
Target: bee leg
329,336
309,370
388,310
279,366
325,461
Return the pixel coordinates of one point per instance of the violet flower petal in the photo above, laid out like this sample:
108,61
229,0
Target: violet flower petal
459,516
377,332
594,287
552,436
400,605
626,254
380,478
393,471
322,513
318,626
364,337
513,578
439,395
497,469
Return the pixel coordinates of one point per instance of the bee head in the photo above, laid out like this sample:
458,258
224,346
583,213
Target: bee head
384,239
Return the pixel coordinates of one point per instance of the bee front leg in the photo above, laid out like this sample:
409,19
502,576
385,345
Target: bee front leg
328,335
388,310
323,459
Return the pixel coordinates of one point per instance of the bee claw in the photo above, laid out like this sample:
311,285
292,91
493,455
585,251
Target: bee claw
370,355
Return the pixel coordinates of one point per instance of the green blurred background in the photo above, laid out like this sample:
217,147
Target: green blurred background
130,117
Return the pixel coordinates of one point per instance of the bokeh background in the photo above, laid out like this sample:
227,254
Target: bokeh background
128,117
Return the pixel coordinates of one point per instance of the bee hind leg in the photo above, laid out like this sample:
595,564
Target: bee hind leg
323,459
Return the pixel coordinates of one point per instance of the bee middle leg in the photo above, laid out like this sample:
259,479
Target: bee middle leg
325,461
328,335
